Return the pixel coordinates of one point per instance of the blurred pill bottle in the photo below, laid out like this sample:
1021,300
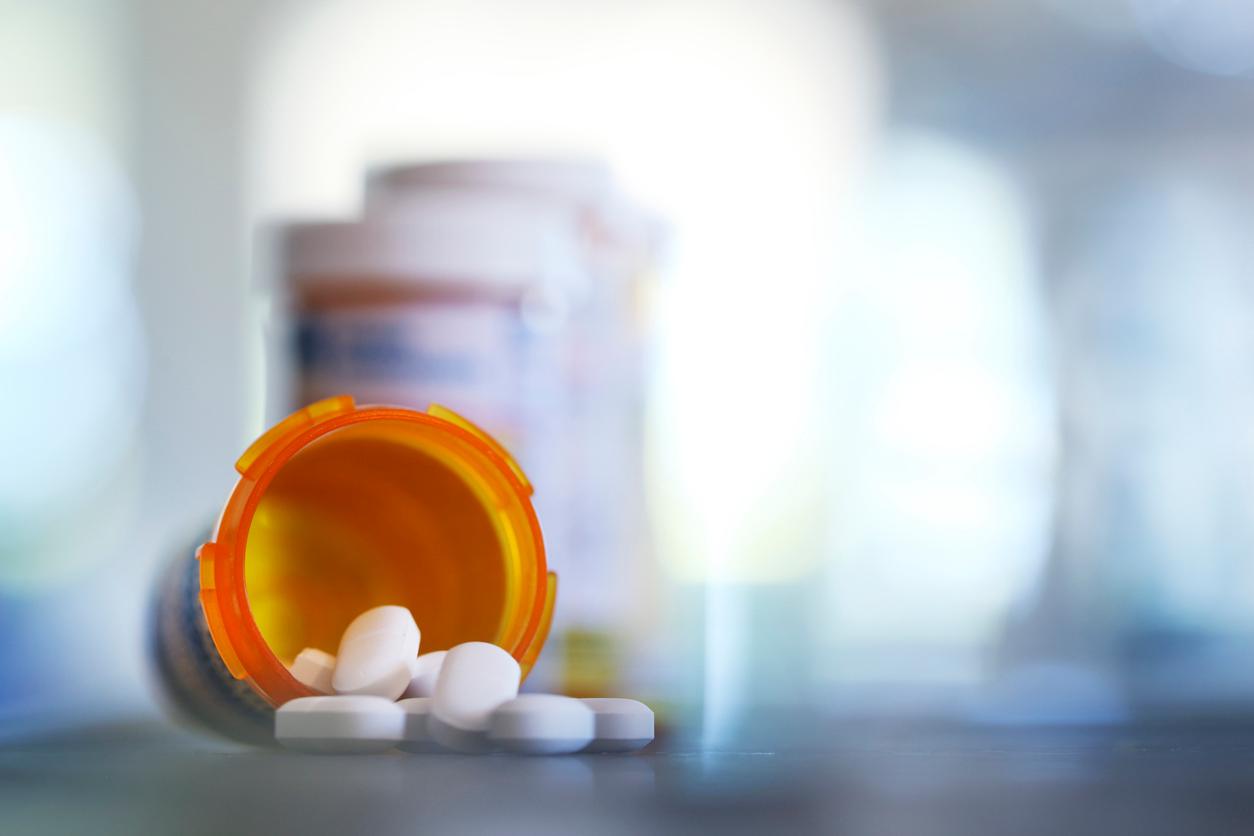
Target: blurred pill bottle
514,292
340,508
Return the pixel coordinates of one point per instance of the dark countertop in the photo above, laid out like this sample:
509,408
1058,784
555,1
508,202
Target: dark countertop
147,777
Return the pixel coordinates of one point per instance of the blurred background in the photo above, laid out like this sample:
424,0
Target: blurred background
881,358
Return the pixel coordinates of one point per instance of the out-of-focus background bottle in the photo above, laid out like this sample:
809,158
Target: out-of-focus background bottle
514,291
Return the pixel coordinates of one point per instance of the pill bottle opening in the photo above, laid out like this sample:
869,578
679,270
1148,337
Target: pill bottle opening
362,517
340,509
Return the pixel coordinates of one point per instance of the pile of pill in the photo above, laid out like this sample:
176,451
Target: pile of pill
382,694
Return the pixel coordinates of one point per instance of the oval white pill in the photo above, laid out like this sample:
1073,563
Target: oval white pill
314,668
542,724
424,672
621,725
345,724
417,736
375,653
474,680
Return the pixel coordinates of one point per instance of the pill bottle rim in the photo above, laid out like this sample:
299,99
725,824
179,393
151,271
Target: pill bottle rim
223,593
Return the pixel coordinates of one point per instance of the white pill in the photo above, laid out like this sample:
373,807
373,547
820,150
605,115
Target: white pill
417,736
542,724
475,679
314,668
621,725
350,725
375,653
423,673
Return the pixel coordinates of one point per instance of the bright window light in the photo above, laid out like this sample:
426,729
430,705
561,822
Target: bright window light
943,417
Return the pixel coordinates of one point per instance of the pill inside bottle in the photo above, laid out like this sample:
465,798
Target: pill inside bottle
475,679
377,652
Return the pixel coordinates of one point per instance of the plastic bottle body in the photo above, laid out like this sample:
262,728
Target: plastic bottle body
195,684
339,509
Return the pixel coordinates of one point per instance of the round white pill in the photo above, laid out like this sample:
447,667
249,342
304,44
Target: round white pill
375,653
621,725
345,724
474,680
314,668
417,736
423,673
542,724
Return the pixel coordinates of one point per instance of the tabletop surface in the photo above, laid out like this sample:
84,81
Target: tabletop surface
148,777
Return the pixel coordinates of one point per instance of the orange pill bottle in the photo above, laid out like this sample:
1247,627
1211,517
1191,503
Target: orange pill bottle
340,508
